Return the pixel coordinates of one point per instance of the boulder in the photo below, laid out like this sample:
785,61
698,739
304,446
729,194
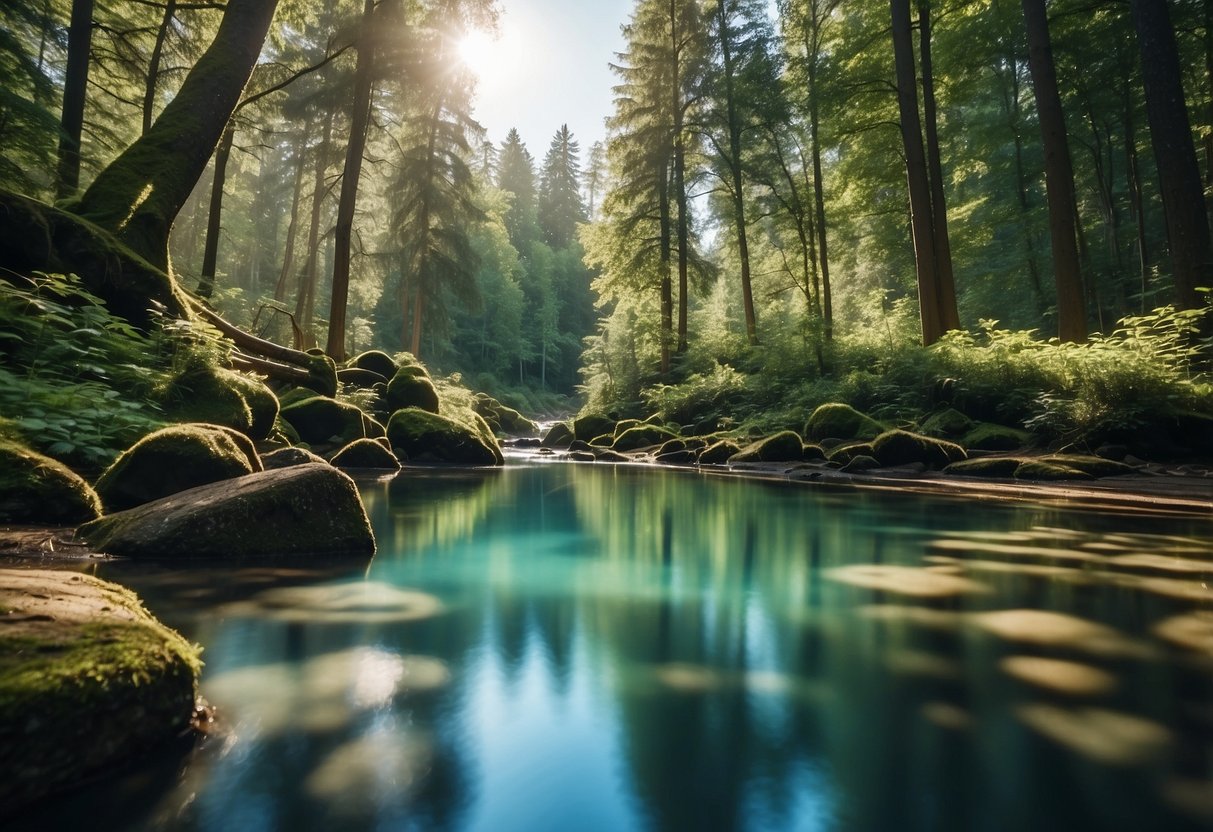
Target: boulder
986,436
860,463
604,441
1047,471
900,447
322,372
289,457
946,424
624,425
642,436
607,455
785,446
844,453
204,393
359,378
365,454
589,425
321,419
989,466
301,510
682,457
407,389
420,436
559,435
502,418
38,490
170,460
719,452
840,421
88,679
1092,465
375,361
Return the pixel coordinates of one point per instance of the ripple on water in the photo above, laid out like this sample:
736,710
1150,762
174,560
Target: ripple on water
1101,735
365,602
1193,631
906,580
1058,676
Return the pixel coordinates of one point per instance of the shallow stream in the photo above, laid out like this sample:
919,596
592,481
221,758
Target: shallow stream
580,647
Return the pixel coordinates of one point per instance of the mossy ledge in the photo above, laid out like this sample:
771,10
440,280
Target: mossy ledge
88,678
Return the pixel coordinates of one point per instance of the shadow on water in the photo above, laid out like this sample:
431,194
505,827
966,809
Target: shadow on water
556,646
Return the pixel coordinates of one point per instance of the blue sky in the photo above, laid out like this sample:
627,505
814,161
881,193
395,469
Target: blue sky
549,67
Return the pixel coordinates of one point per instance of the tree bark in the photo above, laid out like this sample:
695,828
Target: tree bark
735,174
210,251
75,92
1059,176
683,227
153,66
667,299
343,233
949,318
288,254
1183,197
139,194
819,205
925,259
305,300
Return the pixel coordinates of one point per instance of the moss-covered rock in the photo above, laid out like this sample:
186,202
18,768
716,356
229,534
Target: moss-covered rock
37,490
643,436
946,424
420,436
359,378
1092,465
860,463
409,390
245,445
851,450
170,460
682,457
296,395
841,421
321,419
900,447
785,446
987,436
589,425
88,679
368,454
609,456
375,361
203,393
1046,471
720,452
989,466
624,425
290,457
322,373
559,435
672,446
604,441
302,510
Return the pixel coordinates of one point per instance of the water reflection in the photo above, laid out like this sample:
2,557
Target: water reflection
572,647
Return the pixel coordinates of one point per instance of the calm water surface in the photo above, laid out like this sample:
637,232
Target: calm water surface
559,647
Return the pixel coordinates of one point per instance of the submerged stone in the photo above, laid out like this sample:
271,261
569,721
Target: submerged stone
88,679
302,510
170,460
35,489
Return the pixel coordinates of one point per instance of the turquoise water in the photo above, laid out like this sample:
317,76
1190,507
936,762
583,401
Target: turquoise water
560,647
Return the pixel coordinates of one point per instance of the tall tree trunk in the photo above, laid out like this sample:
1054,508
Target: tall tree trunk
819,204
139,194
1137,206
1059,176
288,254
343,234
916,174
210,251
1183,197
734,163
949,318
667,295
305,300
680,191
75,92
153,65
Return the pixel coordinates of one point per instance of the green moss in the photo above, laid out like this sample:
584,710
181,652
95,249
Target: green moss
321,419
360,379
785,446
87,679
299,510
840,421
420,436
365,454
604,441
375,361
204,393
1041,469
589,425
986,436
262,404
1093,465
719,452
296,395
990,466
559,435
36,489
946,424
168,461
672,446
289,457
642,436
843,454
284,431
624,425
245,445
408,390
899,447
322,374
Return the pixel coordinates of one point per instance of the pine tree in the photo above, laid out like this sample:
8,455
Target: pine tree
516,176
560,207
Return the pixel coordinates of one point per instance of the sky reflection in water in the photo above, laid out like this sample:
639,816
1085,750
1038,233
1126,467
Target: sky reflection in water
572,647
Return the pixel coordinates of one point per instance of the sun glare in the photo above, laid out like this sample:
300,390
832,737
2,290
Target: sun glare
481,53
